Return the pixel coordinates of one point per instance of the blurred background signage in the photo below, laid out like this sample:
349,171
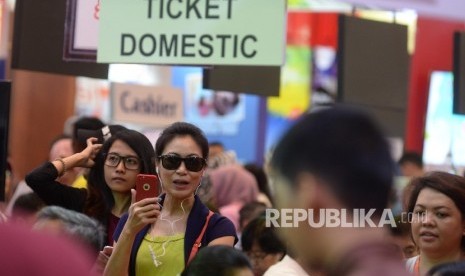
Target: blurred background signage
150,106
203,32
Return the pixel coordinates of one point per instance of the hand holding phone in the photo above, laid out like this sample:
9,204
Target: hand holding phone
102,260
146,186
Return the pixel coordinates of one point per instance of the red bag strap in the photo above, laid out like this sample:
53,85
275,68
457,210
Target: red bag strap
198,241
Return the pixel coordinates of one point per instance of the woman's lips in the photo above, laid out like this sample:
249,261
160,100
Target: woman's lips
428,236
180,184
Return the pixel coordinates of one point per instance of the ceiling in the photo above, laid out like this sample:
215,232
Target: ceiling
445,9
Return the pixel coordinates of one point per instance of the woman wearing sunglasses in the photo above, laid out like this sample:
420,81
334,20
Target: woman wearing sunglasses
160,235
113,170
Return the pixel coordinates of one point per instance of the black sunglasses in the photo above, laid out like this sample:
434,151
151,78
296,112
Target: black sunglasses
192,163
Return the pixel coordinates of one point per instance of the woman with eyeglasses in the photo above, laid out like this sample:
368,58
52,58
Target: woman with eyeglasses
265,248
159,236
113,170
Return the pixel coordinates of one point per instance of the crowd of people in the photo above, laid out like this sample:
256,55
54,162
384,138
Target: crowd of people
78,213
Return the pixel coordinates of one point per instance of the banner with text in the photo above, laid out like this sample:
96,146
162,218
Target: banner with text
149,106
193,32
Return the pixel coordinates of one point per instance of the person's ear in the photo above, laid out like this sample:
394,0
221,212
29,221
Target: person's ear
463,229
278,257
307,191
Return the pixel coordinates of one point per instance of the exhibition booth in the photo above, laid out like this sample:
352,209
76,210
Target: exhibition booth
243,71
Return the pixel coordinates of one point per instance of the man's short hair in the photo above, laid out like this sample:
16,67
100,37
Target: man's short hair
345,149
77,225
411,157
401,229
59,138
89,123
250,211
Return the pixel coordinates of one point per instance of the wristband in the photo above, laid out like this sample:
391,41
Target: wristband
64,166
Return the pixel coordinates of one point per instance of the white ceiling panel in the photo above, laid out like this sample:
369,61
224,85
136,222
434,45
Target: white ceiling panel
445,9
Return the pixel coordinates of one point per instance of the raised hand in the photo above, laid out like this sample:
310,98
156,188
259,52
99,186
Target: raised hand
141,213
89,153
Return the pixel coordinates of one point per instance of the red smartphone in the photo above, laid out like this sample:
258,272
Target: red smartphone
146,186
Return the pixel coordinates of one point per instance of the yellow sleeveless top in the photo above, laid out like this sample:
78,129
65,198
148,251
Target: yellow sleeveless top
161,256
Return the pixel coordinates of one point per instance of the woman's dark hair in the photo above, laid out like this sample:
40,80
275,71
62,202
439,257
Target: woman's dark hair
28,203
266,237
453,186
219,260
448,269
262,180
100,198
181,129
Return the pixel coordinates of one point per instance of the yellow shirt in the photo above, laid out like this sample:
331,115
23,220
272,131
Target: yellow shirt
80,182
161,256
